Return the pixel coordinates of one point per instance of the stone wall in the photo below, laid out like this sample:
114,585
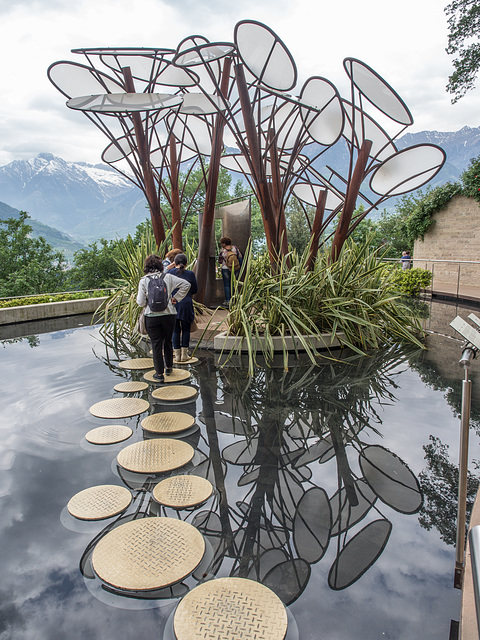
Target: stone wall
455,235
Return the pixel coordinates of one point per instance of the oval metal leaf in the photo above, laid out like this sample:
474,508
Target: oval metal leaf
242,452
266,562
312,525
321,451
391,479
265,55
344,516
288,580
407,170
359,554
377,91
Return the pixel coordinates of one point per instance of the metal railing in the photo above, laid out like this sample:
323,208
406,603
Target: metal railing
453,278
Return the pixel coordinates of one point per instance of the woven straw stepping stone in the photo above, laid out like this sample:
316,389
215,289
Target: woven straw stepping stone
181,492
155,456
168,422
149,553
177,375
97,503
175,393
119,408
137,363
110,434
130,387
230,608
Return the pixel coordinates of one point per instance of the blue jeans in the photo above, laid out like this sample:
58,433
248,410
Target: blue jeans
227,282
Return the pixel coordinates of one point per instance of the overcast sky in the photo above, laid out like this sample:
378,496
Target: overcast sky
403,41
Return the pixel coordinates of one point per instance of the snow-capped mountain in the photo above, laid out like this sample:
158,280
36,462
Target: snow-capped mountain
83,200
92,201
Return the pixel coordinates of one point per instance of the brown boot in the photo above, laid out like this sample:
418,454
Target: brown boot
177,355
185,355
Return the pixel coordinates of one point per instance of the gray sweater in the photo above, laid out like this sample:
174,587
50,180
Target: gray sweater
173,283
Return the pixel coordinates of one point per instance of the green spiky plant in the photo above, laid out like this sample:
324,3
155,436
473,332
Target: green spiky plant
353,299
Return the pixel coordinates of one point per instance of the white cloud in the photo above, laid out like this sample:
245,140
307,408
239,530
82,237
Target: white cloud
405,43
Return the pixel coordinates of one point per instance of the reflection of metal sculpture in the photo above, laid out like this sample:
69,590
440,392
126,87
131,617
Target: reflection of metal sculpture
282,426
235,94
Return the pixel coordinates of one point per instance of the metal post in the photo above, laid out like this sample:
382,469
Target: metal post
467,356
458,280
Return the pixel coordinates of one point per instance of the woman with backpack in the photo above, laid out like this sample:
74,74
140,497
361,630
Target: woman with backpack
185,311
230,259
159,293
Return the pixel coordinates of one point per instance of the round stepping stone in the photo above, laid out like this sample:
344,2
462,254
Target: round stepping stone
177,375
119,408
174,393
230,608
100,502
168,422
137,363
181,492
110,434
148,553
130,387
155,456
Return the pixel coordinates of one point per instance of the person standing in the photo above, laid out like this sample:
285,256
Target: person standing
160,324
168,261
230,260
185,310
406,260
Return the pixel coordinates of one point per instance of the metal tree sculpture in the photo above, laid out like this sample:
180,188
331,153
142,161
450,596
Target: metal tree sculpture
235,94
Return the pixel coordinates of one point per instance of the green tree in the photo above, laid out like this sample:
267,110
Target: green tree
240,190
391,229
297,226
96,266
27,265
192,194
463,29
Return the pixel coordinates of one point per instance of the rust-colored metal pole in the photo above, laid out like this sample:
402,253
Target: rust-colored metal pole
316,228
281,240
175,196
263,194
350,200
144,155
208,220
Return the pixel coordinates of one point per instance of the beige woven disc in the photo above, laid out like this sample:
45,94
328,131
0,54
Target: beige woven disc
119,407
182,491
149,553
176,376
168,422
177,392
109,434
130,387
230,608
137,363
97,503
155,456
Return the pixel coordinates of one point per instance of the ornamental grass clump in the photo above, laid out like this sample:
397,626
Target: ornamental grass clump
352,299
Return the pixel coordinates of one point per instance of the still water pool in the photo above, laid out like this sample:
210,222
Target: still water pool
334,487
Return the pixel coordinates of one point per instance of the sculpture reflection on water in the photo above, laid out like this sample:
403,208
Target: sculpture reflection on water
299,477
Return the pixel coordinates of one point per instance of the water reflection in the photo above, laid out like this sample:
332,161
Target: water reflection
316,493
278,518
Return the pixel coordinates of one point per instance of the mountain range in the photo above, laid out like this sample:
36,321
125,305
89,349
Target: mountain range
81,202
